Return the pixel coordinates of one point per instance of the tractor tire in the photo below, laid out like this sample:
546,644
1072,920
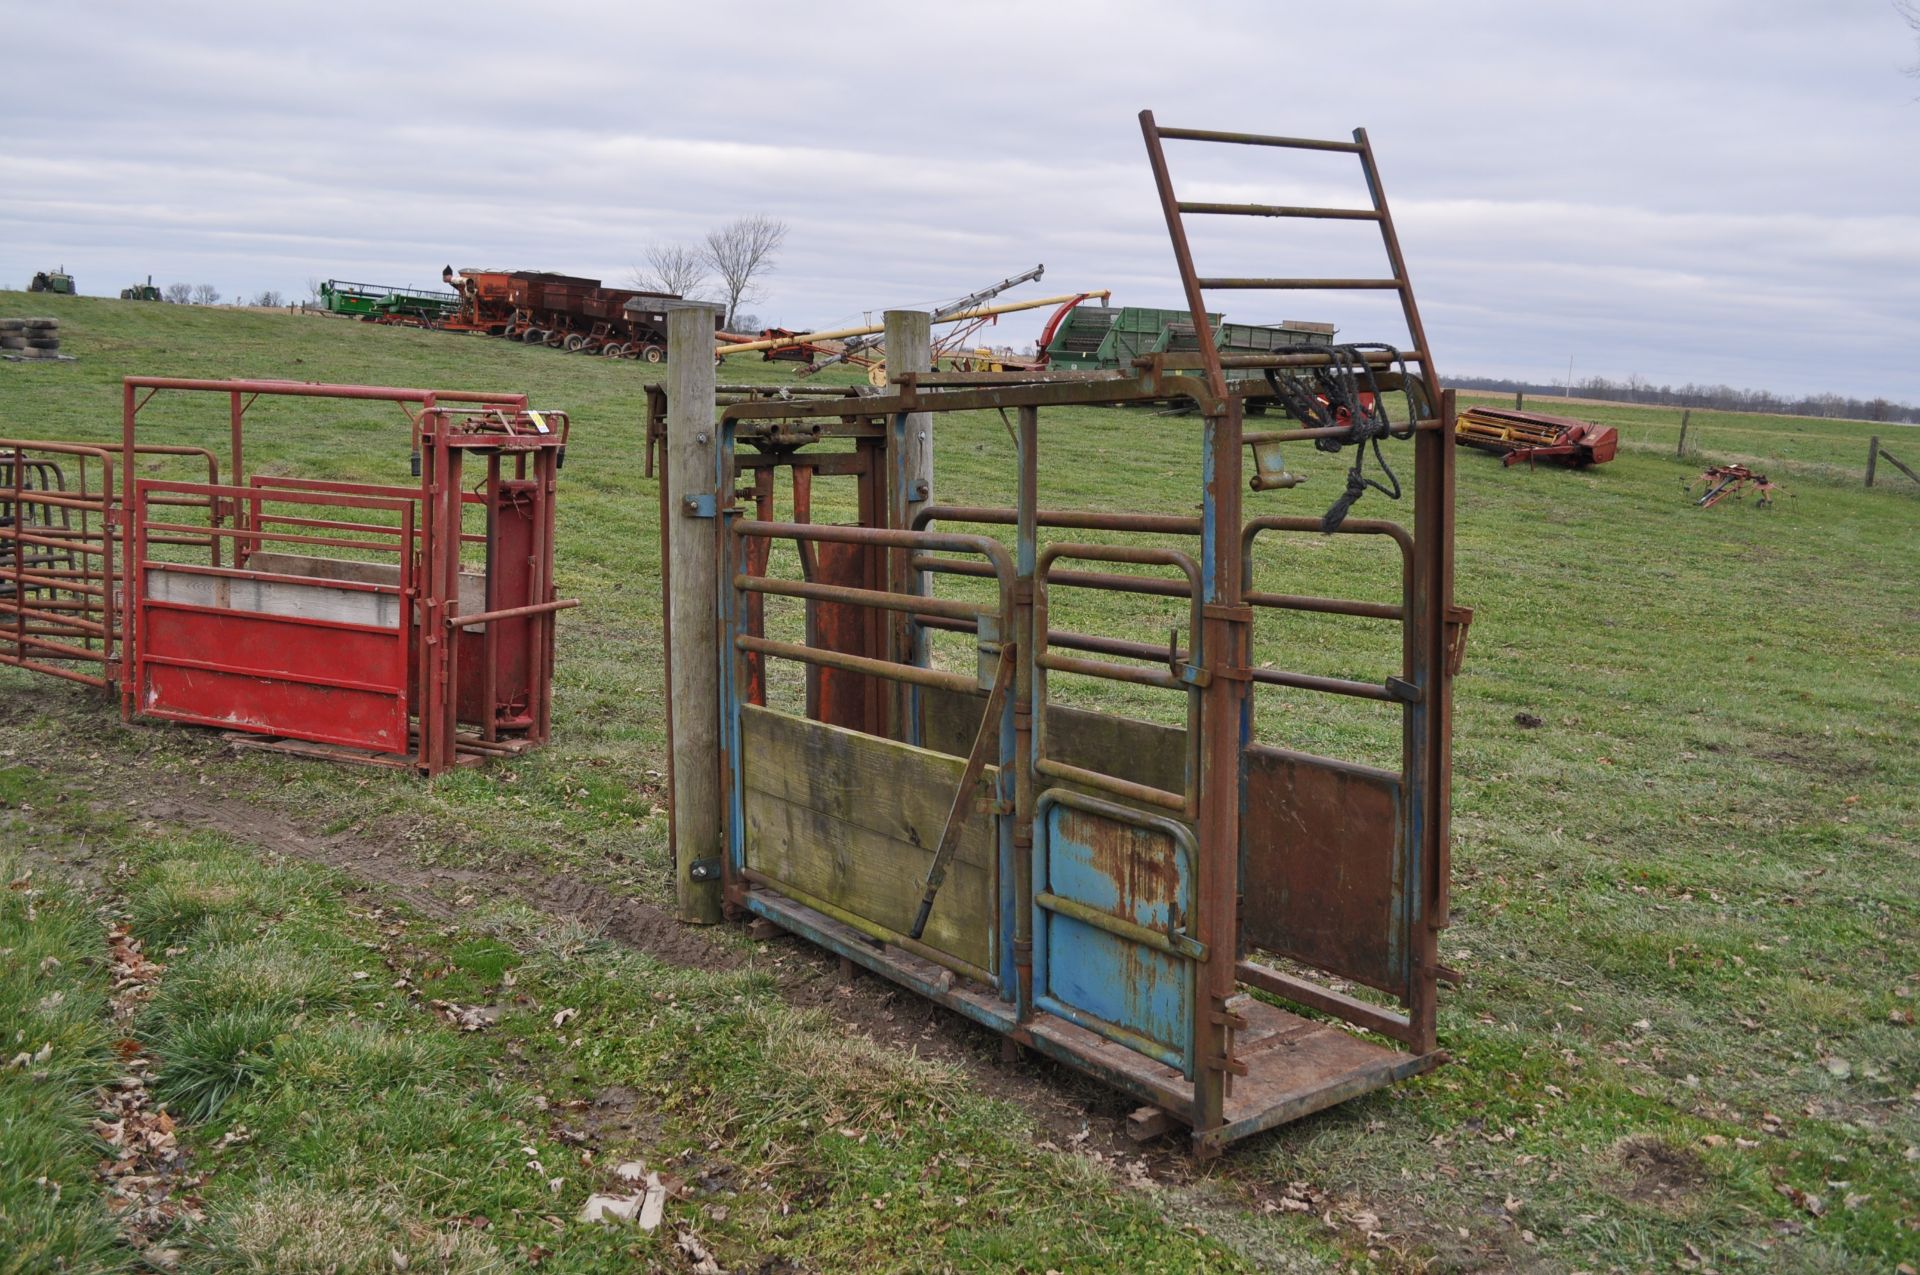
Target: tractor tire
41,323
12,341
511,332
533,336
611,350
575,343
653,353
12,325
556,339
43,342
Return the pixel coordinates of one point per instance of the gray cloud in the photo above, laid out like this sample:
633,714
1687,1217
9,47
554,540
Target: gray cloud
1710,192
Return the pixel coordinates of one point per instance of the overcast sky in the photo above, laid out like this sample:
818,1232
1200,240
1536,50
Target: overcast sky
1714,192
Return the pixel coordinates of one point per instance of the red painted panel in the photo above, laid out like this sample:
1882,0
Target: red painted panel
325,714
249,642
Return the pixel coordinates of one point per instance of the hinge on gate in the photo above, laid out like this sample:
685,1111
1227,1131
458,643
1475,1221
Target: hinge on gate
700,506
1458,621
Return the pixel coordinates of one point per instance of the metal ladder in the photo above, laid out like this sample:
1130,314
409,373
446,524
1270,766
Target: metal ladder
1196,286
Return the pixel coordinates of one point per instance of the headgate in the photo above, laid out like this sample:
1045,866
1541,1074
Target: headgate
1189,912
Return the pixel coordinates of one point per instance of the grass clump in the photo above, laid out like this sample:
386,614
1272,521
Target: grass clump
55,1049
279,1228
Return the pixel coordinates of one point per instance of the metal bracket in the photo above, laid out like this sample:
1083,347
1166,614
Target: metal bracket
700,506
704,870
1459,619
1403,690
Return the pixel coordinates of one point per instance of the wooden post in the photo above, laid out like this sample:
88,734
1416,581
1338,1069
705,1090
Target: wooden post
1519,405
909,338
690,504
1873,455
1681,450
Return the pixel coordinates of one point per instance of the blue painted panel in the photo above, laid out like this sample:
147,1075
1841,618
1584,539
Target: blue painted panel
1137,868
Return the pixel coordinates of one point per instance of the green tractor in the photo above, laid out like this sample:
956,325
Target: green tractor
141,291
52,281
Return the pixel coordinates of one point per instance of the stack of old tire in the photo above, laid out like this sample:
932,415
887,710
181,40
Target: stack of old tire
30,338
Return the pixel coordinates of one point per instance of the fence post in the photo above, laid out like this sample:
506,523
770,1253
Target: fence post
1685,416
692,549
1519,401
909,337
1873,454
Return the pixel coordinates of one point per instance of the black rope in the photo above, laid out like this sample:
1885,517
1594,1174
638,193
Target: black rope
1330,397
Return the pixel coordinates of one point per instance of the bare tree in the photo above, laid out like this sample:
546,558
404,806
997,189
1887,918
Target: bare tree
268,298
741,253
673,267
206,294
1909,13
314,283
179,293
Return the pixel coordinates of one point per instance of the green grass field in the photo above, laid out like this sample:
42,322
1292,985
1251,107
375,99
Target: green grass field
1684,903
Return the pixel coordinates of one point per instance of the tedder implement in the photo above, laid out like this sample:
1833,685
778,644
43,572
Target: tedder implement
406,625
897,738
1530,436
1721,481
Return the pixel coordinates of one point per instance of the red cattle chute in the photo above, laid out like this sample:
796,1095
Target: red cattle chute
349,619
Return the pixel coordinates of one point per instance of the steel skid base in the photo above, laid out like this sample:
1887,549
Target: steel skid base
1295,1065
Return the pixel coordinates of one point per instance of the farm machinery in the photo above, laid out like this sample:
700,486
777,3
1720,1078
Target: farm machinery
1722,481
58,281
565,312
141,291
1530,436
382,303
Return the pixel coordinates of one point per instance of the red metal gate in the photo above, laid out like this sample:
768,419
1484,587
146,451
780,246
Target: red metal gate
291,644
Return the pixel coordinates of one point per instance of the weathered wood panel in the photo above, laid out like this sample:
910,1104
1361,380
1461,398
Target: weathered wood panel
854,819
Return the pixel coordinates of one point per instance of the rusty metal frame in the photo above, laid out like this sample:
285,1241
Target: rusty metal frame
1224,1080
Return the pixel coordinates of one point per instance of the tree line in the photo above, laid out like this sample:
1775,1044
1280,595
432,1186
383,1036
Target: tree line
1720,398
735,259
207,294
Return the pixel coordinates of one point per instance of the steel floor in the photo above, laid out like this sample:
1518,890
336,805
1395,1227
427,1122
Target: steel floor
1295,1065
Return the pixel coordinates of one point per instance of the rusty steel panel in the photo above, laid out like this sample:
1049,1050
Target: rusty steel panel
1114,901
1322,842
845,698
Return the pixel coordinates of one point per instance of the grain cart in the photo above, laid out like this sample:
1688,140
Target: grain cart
899,739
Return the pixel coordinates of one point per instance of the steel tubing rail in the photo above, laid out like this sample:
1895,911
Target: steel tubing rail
914,604
1256,139
1187,802
911,673
1075,519
320,389
896,538
1342,432
512,613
